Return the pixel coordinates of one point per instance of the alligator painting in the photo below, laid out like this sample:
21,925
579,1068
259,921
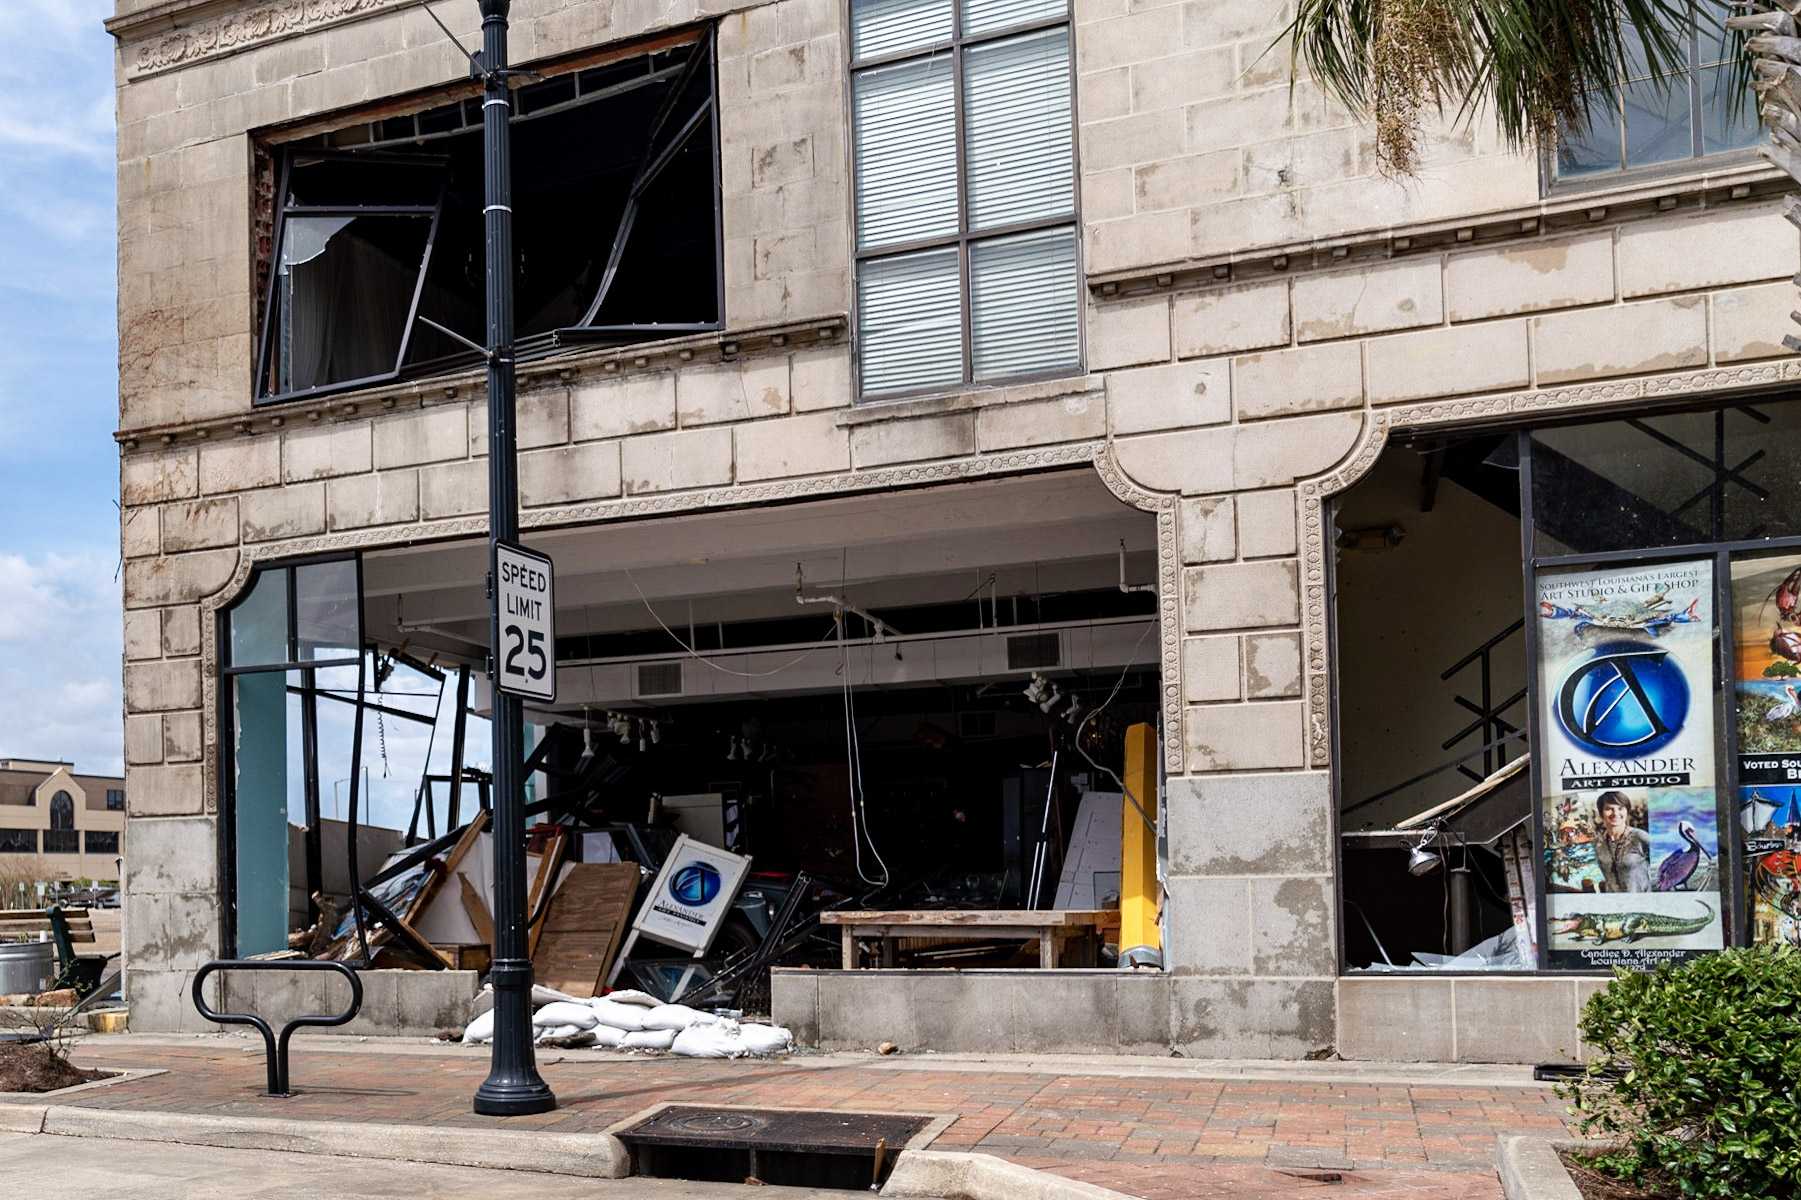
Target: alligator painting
1602,928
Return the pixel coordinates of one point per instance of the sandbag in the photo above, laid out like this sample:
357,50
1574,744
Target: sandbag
626,1017
484,999
631,996
728,1039
677,1017
566,1012
558,1032
606,1035
765,1039
648,1039
708,1041
479,1030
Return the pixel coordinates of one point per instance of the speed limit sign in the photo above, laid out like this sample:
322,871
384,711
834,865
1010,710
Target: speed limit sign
525,658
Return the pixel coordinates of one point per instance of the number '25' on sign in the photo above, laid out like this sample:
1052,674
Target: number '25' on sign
526,657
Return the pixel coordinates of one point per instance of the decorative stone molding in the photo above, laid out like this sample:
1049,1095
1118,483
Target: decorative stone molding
1010,462
196,32
1597,398
1745,180
564,370
1169,599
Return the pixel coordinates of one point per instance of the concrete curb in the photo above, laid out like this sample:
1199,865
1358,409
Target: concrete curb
595,1156
966,1176
1531,1170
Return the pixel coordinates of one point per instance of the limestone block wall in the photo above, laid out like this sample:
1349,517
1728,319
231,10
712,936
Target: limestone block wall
1197,141
196,79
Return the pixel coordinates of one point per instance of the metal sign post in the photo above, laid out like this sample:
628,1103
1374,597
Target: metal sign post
513,1086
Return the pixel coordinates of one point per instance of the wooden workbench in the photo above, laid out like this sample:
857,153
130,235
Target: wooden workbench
1055,930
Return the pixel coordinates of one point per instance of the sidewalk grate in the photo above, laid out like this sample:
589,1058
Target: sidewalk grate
776,1146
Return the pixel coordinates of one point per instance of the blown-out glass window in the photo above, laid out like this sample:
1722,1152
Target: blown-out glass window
964,156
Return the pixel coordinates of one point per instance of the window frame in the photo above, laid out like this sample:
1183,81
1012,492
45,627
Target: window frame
1550,182
964,236
703,60
1720,552
30,836
104,835
110,794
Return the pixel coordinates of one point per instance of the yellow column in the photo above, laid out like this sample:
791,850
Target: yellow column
1138,892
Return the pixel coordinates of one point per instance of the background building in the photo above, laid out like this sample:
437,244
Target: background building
950,301
57,826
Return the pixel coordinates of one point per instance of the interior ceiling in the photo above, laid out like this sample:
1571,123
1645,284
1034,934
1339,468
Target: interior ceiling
1050,533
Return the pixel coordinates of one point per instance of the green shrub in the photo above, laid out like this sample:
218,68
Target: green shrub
1696,1075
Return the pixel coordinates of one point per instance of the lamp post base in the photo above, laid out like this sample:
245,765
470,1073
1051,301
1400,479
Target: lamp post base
513,1098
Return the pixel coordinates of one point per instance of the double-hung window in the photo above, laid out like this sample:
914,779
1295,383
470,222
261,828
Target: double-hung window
967,264
1665,120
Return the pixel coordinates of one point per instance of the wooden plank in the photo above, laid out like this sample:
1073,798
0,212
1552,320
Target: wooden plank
477,908
1038,918
583,926
850,948
549,863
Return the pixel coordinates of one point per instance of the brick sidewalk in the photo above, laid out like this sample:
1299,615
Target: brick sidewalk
1160,1138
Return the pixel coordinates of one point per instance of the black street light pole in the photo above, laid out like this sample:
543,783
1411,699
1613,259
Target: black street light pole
513,1086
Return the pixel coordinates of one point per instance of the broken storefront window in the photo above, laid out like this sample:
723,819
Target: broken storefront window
378,263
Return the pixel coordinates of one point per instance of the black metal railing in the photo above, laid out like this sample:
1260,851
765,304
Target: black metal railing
1490,724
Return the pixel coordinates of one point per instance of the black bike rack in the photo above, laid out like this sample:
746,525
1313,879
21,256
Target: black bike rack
276,1048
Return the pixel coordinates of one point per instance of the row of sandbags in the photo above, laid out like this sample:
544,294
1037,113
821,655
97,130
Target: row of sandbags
632,1020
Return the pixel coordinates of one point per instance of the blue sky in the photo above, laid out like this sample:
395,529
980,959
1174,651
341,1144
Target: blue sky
59,597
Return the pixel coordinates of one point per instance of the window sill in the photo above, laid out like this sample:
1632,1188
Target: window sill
967,399
1709,172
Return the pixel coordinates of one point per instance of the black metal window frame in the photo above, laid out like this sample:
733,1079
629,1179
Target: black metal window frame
1720,554
961,240
100,841
1550,181
9,836
658,157
115,799
226,850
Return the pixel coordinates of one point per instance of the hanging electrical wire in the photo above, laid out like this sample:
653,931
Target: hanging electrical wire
1131,661
697,656
859,828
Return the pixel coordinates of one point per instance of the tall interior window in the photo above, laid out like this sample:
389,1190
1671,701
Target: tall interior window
964,155
61,837
377,270
1665,120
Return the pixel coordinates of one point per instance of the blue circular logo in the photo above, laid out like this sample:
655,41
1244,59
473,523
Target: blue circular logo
694,884
1626,699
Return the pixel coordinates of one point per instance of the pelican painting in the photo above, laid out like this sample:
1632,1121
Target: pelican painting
1674,873
1785,708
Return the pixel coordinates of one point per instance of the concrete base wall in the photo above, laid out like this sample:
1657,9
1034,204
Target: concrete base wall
395,1003
1463,1019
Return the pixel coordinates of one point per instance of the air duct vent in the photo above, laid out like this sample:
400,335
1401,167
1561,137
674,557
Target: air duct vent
1034,651
660,679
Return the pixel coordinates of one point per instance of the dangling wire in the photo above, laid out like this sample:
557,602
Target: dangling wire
859,829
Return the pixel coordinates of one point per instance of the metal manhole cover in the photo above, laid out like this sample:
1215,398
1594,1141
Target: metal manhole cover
773,1129
716,1123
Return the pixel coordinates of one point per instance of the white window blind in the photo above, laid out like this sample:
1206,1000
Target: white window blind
881,27
1018,127
909,321
986,16
1025,306
906,152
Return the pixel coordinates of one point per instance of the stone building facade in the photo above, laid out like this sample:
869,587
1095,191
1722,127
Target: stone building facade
1262,313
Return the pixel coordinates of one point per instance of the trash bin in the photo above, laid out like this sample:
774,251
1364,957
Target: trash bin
26,967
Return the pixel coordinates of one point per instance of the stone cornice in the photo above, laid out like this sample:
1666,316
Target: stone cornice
562,370
1744,181
175,33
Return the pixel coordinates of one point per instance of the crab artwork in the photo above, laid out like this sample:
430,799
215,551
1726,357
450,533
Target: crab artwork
1785,643
1651,616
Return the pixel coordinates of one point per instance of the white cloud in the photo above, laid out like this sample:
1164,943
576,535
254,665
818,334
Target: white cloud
60,633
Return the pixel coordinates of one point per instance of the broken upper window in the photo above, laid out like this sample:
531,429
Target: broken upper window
965,192
377,271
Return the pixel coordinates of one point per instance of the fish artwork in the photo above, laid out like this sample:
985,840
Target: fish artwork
1653,616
